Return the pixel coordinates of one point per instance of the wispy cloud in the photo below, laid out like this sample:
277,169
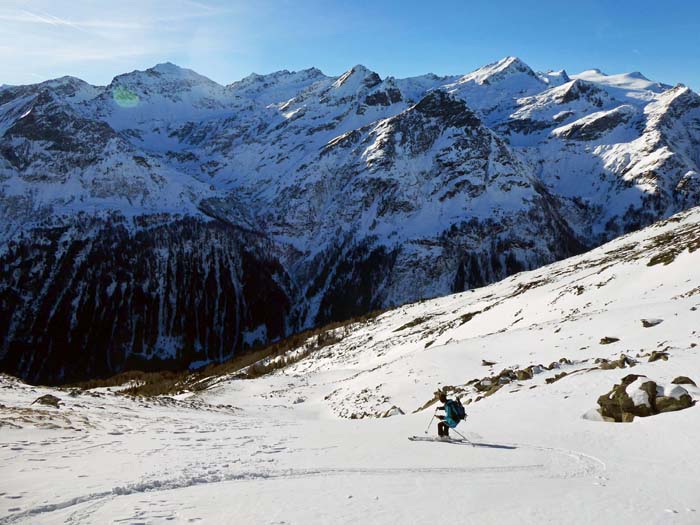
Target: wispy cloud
50,35
201,5
28,17
143,21
71,54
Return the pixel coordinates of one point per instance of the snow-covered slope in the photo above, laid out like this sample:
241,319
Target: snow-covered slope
307,438
355,192
633,82
493,88
559,311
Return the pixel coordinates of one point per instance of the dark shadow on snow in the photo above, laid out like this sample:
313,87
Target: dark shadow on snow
493,445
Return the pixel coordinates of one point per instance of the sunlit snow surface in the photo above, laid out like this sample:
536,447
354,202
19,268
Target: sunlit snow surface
274,450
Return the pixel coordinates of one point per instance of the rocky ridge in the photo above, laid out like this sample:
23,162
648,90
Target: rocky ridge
350,193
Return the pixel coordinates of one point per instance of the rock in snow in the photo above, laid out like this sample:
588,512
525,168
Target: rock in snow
639,396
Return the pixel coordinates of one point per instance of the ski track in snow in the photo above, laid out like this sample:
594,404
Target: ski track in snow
583,465
222,438
181,433
103,457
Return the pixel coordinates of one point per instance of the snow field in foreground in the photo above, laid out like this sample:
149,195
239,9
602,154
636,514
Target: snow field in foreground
273,449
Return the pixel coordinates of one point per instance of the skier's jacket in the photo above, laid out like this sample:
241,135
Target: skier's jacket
451,417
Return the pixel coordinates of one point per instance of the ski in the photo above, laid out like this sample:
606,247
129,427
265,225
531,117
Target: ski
437,439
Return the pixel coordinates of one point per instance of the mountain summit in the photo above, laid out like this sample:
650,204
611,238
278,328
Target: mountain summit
166,220
499,71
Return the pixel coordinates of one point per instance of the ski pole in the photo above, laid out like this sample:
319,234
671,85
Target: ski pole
462,436
431,422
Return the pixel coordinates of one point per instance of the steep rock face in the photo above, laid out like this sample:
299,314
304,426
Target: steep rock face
50,139
364,206
96,297
544,111
618,156
596,125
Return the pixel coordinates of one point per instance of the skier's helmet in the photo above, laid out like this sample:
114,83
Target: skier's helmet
443,397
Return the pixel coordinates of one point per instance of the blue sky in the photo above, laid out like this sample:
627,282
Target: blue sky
98,39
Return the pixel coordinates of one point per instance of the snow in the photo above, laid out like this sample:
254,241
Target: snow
674,391
492,89
219,454
555,78
638,396
299,152
274,449
352,80
276,88
624,113
498,71
629,81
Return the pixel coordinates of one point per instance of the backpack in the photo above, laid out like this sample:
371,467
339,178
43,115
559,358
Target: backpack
457,409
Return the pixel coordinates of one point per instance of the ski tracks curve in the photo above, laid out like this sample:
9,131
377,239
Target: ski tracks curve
585,465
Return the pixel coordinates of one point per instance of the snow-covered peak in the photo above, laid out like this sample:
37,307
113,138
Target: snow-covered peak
276,87
672,107
679,94
65,89
165,73
63,81
555,78
552,170
356,78
561,102
574,89
283,75
168,68
165,91
494,89
634,81
499,71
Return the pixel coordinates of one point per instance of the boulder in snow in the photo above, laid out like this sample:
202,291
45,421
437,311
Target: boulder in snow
683,380
623,362
48,400
393,411
525,374
655,356
639,396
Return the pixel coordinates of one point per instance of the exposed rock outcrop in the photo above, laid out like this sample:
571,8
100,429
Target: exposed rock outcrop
638,396
48,400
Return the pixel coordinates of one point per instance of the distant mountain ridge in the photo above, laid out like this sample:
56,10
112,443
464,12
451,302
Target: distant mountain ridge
167,220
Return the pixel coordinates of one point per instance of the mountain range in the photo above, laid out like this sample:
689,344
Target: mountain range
167,221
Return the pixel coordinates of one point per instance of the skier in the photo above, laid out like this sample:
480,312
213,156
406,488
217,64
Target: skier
451,418
454,413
